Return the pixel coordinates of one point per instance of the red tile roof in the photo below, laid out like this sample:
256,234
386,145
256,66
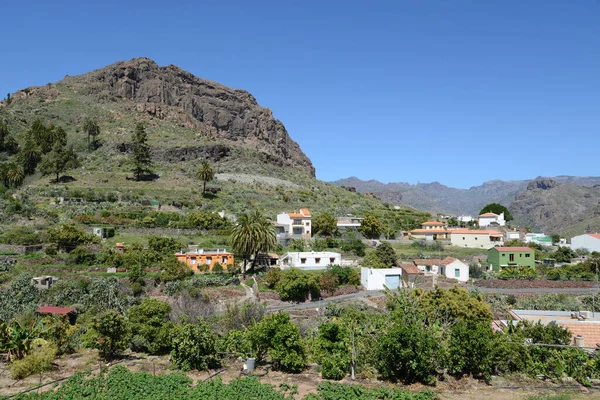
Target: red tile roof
55,310
429,231
490,214
513,249
589,330
429,261
594,235
432,223
409,268
448,260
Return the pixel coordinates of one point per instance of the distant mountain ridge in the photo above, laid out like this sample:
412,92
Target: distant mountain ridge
438,198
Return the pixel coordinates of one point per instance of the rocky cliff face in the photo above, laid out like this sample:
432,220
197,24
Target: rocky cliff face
174,94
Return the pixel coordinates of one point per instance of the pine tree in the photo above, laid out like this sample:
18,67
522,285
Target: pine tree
140,152
60,159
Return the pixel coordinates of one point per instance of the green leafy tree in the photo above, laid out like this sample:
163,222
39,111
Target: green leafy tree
454,304
471,349
11,174
497,209
325,224
110,333
140,153
297,285
150,326
386,254
69,236
351,243
371,260
206,173
277,337
332,350
173,270
91,128
370,227
564,254
252,235
193,346
59,160
165,245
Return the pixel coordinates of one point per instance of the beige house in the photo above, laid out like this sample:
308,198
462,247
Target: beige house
431,230
476,239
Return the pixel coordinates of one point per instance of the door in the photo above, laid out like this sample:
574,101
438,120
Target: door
392,281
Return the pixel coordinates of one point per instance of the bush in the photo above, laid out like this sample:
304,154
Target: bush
193,346
51,251
39,360
297,285
165,245
217,268
82,256
272,277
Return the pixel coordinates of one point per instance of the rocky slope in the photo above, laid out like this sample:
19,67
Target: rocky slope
551,206
172,95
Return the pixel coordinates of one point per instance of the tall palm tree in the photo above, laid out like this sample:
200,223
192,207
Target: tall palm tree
15,174
206,174
29,156
252,235
93,130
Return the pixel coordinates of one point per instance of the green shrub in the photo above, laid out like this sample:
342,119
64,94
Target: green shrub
272,277
297,285
39,360
82,256
193,346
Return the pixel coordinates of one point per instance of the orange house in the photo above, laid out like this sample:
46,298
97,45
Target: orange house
198,258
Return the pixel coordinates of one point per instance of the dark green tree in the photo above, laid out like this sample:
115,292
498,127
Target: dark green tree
110,333
332,350
206,173
193,346
11,174
150,327
140,153
277,337
325,224
59,160
497,209
91,128
370,227
386,254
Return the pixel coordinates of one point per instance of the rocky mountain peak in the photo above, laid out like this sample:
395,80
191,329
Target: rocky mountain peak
542,183
214,109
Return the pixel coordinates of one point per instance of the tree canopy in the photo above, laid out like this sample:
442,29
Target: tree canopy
252,235
370,227
206,174
325,224
140,153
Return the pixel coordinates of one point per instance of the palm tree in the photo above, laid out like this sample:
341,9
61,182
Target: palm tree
92,129
29,156
206,174
252,235
15,174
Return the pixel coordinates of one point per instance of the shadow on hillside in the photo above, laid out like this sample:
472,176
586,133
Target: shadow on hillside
144,178
64,179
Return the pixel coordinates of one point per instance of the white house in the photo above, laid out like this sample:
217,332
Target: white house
310,260
476,239
464,218
448,267
589,241
513,235
296,225
454,269
348,223
490,218
377,278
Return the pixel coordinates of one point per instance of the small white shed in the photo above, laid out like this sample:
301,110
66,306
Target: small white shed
377,278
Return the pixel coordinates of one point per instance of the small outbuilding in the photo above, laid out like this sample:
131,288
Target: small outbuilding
52,310
379,278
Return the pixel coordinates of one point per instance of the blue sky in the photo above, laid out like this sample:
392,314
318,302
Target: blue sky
458,92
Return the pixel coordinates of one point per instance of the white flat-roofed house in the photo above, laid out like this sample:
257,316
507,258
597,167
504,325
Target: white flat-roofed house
380,278
310,260
348,223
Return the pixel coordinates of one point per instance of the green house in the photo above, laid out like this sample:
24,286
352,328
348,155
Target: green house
501,257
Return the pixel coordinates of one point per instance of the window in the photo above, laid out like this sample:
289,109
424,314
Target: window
308,224
224,260
303,261
463,238
331,260
511,257
427,268
208,260
193,260
527,255
520,255
475,238
317,261
457,273
503,254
